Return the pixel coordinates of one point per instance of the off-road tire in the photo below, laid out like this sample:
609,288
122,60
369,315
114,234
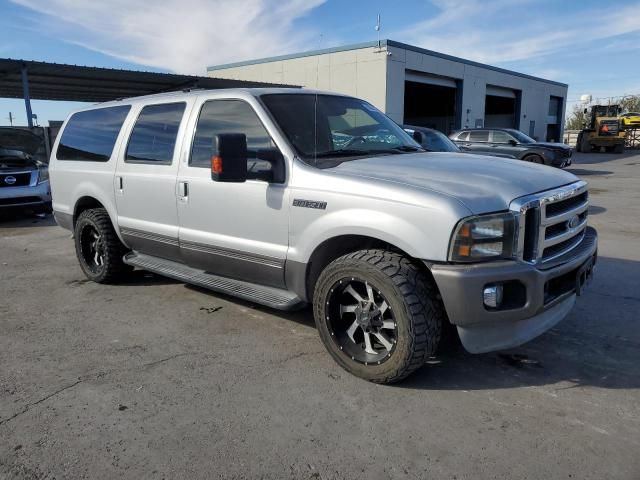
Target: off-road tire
412,296
113,269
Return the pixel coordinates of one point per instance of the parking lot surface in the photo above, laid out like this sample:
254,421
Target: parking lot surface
155,379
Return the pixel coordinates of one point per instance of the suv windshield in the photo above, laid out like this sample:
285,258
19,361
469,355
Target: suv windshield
438,142
521,137
335,127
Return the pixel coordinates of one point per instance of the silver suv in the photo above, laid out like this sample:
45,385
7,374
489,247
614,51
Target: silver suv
24,175
291,197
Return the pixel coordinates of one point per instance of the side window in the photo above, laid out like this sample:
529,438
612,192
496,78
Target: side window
91,135
462,137
500,137
231,116
153,138
478,136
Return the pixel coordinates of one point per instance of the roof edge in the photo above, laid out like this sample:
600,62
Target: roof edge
381,43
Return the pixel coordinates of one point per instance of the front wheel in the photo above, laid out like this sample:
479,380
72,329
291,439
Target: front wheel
533,158
379,315
98,248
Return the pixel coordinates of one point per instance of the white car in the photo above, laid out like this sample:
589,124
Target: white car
289,197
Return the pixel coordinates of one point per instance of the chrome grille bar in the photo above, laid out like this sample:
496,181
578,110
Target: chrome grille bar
566,224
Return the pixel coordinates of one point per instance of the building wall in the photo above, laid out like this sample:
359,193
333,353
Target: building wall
378,76
361,73
535,94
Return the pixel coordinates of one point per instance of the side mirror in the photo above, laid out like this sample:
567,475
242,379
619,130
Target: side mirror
229,163
513,143
418,136
585,111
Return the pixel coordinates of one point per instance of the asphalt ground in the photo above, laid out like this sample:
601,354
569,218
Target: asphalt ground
156,379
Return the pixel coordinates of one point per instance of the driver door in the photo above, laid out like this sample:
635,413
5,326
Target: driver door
237,230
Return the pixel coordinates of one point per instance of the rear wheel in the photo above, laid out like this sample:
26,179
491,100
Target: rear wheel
618,148
98,248
378,315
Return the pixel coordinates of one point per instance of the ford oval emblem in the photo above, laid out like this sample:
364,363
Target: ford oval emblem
574,222
9,180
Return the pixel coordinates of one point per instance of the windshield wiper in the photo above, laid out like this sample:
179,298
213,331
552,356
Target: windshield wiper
378,151
345,152
409,148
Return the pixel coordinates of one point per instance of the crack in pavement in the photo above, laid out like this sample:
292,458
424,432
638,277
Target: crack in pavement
28,407
162,360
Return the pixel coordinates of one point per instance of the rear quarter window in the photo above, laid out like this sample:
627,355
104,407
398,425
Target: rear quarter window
91,135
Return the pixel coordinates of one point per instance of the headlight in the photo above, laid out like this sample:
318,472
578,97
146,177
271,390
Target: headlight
43,174
484,237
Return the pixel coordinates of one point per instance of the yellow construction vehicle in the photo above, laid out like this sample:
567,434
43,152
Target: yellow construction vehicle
602,131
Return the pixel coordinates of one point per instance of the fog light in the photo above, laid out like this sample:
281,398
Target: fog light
492,295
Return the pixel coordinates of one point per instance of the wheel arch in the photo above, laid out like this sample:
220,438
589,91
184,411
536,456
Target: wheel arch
302,277
87,202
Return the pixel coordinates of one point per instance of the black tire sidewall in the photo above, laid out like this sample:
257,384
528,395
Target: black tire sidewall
91,218
360,269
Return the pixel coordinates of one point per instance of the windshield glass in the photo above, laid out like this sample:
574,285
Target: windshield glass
521,137
335,127
437,141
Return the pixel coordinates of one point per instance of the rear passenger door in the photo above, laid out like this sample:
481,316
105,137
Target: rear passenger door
478,141
145,180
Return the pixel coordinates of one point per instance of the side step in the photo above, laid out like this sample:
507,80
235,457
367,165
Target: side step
269,296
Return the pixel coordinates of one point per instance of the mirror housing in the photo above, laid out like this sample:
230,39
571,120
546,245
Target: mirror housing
513,143
229,163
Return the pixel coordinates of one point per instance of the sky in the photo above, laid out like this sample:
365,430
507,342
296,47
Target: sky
579,42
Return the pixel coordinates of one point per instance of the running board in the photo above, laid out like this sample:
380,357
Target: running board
269,296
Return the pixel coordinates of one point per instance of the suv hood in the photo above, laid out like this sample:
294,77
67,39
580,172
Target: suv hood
483,184
551,145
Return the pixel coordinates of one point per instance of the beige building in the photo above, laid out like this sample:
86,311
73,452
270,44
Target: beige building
419,87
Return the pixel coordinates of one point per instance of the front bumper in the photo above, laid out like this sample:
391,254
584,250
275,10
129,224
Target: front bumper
544,297
27,196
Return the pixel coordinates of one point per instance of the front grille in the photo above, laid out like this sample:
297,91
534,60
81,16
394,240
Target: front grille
551,223
21,179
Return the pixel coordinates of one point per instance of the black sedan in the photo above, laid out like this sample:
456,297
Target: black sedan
434,141
512,142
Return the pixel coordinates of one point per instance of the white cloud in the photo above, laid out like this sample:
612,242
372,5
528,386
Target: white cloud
180,35
501,31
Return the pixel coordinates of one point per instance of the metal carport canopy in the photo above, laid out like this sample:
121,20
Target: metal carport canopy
29,79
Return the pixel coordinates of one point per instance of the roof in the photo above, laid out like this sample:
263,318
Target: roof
382,43
56,81
241,92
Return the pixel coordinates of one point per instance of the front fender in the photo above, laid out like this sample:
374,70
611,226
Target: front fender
416,232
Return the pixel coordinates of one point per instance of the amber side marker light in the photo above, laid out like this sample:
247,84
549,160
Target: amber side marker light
216,164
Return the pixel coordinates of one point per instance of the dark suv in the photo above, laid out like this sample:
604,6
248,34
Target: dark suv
507,141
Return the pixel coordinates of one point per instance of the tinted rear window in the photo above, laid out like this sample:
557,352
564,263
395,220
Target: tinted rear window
91,135
153,139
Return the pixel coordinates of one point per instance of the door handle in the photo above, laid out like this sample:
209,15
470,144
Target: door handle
119,185
183,190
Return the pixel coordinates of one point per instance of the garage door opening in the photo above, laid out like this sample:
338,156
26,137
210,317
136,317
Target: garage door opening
500,108
432,106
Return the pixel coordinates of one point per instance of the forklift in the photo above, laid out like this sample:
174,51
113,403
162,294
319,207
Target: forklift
603,130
